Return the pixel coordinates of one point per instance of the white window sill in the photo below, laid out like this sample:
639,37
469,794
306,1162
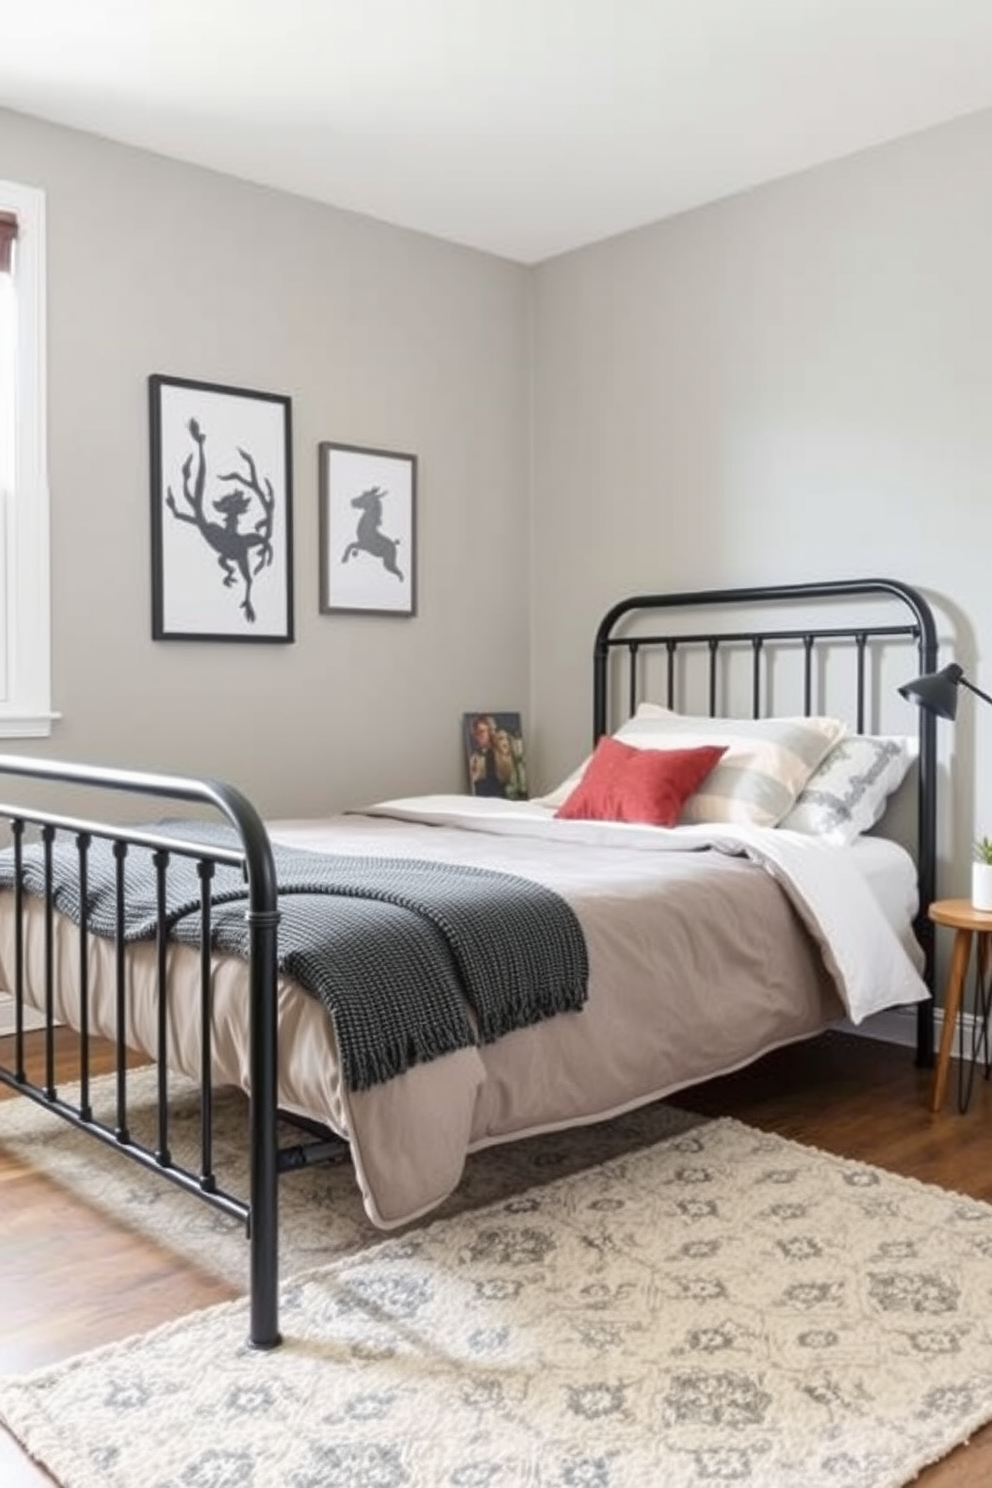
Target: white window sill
27,725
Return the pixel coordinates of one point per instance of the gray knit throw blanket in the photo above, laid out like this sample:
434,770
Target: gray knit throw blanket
412,959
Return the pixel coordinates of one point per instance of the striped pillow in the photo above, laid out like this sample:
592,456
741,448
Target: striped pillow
766,765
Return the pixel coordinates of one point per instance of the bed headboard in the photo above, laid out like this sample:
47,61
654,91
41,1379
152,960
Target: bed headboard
786,649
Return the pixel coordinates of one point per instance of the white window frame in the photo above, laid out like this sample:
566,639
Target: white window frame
26,709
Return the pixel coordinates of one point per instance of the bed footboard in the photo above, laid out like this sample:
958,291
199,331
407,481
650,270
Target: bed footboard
252,854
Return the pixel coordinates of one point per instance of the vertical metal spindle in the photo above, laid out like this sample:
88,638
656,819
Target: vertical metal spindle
808,674
756,645
633,648
83,840
17,833
263,1234
161,861
671,646
120,855
861,642
205,868
47,837
713,644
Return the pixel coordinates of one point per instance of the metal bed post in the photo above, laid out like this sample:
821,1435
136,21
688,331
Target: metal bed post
262,917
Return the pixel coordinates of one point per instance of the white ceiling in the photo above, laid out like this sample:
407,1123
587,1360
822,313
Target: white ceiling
522,127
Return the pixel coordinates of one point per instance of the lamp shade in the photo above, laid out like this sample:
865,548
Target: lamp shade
936,691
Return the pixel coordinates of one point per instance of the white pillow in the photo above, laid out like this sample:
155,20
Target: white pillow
848,792
758,780
561,793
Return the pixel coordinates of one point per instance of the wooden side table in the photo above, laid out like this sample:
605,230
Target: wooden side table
968,924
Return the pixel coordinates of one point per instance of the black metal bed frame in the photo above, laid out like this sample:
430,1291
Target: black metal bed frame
254,855
614,638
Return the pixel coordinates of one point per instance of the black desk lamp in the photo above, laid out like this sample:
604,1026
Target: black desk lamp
938,691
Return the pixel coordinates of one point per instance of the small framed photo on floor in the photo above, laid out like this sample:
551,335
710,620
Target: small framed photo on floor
222,512
368,515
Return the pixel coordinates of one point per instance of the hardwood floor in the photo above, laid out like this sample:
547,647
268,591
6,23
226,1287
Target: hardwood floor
69,1280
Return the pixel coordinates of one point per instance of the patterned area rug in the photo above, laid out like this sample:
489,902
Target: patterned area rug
320,1208
724,1307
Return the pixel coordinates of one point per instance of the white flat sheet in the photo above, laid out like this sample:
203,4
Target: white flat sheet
890,874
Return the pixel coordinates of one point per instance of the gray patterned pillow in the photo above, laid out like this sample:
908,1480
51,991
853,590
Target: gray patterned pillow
847,794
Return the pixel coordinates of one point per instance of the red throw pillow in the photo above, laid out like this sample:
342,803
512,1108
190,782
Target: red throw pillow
621,783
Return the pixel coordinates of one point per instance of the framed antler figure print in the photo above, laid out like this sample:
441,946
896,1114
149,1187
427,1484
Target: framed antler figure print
222,512
368,557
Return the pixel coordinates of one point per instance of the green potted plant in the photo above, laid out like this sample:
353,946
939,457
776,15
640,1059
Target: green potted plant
981,875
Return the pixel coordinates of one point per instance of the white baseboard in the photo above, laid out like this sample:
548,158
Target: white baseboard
898,1026
894,1026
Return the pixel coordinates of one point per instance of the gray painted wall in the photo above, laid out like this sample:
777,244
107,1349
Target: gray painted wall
795,383
792,384
383,338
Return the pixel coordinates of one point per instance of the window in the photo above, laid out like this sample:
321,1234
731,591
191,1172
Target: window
25,619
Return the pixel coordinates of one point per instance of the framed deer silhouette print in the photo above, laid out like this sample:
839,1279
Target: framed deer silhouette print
368,559
222,512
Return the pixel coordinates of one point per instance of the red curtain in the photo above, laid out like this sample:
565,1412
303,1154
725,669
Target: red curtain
8,233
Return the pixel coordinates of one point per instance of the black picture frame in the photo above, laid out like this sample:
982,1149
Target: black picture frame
368,530
222,512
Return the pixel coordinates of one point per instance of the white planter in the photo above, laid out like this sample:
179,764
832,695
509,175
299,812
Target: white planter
981,886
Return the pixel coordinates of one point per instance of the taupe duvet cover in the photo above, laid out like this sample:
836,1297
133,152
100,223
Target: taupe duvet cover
700,960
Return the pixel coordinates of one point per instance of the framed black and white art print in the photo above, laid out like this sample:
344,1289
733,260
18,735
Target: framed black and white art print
368,559
222,512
